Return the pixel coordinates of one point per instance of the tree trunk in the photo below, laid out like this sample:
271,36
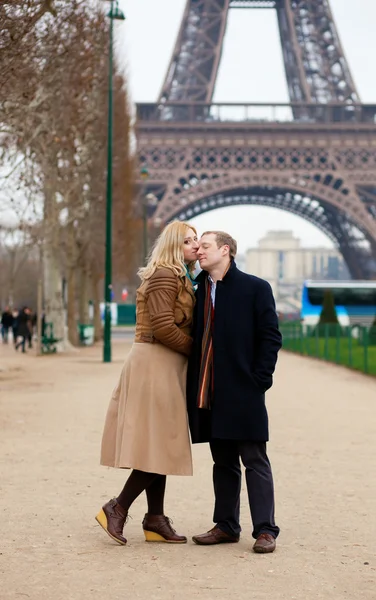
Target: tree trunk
71,307
83,295
98,328
54,306
39,313
53,289
10,300
11,283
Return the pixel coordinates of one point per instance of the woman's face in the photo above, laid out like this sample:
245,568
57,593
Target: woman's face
190,246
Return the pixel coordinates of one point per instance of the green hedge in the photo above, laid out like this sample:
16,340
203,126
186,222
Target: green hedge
348,346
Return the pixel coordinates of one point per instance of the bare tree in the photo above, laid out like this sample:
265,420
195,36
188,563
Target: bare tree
127,238
55,139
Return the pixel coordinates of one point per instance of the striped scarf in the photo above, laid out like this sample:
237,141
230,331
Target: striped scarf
205,382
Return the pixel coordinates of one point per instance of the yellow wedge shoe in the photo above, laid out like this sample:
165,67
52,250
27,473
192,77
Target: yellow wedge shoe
112,518
157,528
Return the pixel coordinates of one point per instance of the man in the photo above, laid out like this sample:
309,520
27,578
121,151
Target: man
6,323
23,328
236,342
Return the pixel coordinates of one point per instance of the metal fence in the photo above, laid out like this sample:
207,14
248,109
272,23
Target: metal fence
353,347
257,112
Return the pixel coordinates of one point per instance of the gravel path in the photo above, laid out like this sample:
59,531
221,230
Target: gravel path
323,449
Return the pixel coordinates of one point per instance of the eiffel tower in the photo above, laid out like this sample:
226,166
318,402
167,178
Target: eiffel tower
314,157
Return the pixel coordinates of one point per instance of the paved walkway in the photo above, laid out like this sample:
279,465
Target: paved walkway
323,449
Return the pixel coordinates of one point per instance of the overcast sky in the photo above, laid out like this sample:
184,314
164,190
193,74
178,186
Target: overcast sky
251,71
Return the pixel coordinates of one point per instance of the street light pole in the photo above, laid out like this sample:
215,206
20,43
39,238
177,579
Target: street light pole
115,13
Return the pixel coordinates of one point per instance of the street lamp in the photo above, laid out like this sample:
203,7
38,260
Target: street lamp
115,13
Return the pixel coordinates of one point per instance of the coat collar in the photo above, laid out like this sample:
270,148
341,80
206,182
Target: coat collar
228,277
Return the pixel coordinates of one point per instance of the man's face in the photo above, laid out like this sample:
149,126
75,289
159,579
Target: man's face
208,253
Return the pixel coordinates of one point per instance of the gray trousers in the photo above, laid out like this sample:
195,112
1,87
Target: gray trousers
227,484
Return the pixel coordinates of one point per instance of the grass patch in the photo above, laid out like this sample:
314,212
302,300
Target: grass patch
345,351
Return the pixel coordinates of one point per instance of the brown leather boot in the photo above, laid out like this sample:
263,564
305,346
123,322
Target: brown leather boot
157,528
112,518
265,543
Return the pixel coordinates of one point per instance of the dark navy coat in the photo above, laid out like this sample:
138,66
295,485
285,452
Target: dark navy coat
246,340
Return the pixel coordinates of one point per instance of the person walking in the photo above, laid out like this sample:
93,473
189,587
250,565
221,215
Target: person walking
146,427
6,324
32,327
15,326
23,327
236,342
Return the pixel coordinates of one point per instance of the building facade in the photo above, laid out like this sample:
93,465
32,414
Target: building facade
280,259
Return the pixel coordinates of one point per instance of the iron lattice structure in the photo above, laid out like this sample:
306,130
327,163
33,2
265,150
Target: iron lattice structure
315,65
315,157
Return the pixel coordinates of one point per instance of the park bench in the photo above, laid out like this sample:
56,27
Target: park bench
86,334
49,340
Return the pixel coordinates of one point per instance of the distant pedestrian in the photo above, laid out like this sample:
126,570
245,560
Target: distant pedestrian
15,325
6,323
32,327
23,328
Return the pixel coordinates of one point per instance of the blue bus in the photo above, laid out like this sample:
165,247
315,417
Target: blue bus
355,301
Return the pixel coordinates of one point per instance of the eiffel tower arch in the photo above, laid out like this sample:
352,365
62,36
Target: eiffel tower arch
314,156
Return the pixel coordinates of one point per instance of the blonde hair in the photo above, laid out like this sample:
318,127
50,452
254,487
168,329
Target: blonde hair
168,251
224,239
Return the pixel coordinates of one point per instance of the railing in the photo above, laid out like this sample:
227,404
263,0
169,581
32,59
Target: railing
257,113
253,4
353,347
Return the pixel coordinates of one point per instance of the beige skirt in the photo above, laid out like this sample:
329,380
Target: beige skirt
146,426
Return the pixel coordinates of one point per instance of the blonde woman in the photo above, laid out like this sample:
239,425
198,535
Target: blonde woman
146,427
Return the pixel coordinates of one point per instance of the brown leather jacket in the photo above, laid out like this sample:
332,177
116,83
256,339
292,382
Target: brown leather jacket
164,311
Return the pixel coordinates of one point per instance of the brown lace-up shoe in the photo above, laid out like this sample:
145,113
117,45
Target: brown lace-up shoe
215,536
264,543
112,518
157,528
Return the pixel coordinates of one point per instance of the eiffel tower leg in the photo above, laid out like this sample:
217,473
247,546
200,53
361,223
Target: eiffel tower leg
192,72
315,64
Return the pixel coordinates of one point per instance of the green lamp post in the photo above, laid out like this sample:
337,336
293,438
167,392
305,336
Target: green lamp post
115,13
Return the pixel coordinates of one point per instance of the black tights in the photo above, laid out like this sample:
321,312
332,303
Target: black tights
152,483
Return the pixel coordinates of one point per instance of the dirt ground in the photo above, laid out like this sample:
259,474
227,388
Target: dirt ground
323,453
